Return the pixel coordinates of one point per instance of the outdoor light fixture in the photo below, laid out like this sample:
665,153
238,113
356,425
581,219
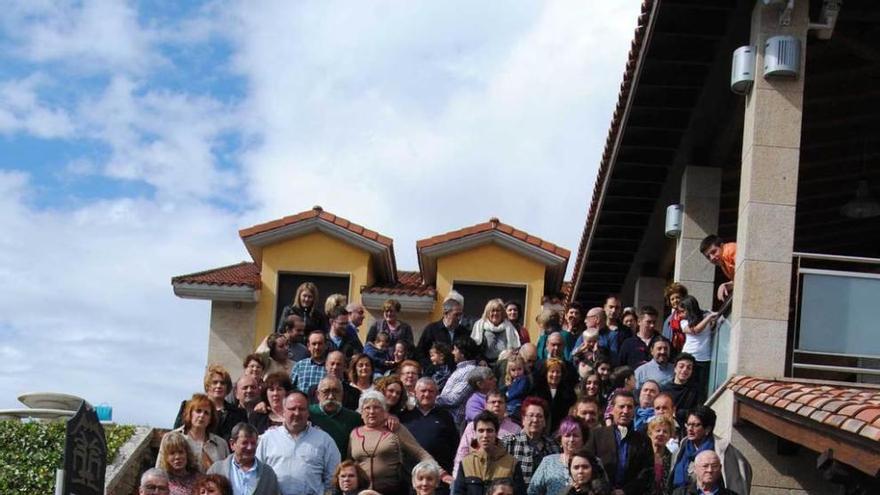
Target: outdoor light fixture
742,70
673,220
782,57
863,205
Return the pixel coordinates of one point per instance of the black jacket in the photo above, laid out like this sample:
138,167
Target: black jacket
691,489
559,405
639,474
436,332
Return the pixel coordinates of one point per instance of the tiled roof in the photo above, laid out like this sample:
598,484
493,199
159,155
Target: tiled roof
623,96
854,410
316,211
494,224
408,284
244,273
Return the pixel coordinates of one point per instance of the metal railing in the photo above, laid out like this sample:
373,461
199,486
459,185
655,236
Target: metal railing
834,302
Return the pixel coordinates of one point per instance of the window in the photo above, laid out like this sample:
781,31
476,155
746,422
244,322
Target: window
477,295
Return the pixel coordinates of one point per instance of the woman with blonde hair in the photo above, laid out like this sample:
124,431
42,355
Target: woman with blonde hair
495,332
178,462
305,305
199,417
660,430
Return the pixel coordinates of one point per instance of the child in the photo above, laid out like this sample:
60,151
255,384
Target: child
516,386
378,353
442,363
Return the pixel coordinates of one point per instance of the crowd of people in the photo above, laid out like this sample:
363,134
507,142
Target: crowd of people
607,400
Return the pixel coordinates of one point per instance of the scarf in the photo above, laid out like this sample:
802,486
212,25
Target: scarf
643,414
689,452
498,338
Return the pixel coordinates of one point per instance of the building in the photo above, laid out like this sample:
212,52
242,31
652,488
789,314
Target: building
481,262
787,171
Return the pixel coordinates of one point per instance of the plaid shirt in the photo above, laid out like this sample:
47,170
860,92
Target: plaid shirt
529,453
457,391
307,373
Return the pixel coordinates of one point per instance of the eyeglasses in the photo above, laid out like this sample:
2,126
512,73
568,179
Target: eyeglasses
155,488
694,425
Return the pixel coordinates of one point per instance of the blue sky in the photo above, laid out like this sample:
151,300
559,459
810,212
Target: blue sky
136,138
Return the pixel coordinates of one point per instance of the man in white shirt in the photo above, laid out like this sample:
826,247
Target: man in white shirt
302,456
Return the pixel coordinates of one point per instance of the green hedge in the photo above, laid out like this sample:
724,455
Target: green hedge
31,452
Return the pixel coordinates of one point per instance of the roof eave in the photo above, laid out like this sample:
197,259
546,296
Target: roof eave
408,304
214,292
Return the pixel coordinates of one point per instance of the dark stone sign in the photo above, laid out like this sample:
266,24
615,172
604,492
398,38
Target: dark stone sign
85,454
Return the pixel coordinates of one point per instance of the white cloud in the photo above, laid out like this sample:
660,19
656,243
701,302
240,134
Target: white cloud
88,307
22,112
90,35
413,120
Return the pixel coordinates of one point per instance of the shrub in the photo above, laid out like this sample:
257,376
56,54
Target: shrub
31,452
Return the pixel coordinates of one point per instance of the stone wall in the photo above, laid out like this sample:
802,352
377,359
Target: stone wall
134,457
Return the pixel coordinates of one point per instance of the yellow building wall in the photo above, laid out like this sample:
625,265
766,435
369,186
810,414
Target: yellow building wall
317,253
493,264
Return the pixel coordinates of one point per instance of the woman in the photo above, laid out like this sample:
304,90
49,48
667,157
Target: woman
673,294
698,327
276,356
305,304
212,484
549,387
552,474
396,329
218,385
630,319
494,332
349,479
360,372
253,366
591,386
394,392
379,451
660,430
587,476
276,387
178,462
401,351
426,478
199,417
514,313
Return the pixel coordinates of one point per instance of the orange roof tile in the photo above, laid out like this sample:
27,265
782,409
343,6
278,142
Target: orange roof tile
408,284
494,224
316,211
244,273
842,407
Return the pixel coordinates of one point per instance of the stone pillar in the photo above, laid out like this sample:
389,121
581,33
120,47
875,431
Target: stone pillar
700,196
231,337
649,292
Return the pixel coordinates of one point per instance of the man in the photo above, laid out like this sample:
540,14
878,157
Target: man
356,316
247,393
723,255
295,328
612,335
626,454
302,456
665,406
634,351
309,372
338,337
574,319
683,390
706,477
432,426
496,403
650,389
488,463
587,409
335,366
457,390
532,444
154,480
594,321
245,473
330,415
447,330
658,368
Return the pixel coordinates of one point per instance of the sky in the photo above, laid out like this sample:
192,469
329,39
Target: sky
137,138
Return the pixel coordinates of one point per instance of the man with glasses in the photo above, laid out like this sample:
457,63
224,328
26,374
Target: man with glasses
533,443
335,366
706,477
338,337
154,480
329,414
